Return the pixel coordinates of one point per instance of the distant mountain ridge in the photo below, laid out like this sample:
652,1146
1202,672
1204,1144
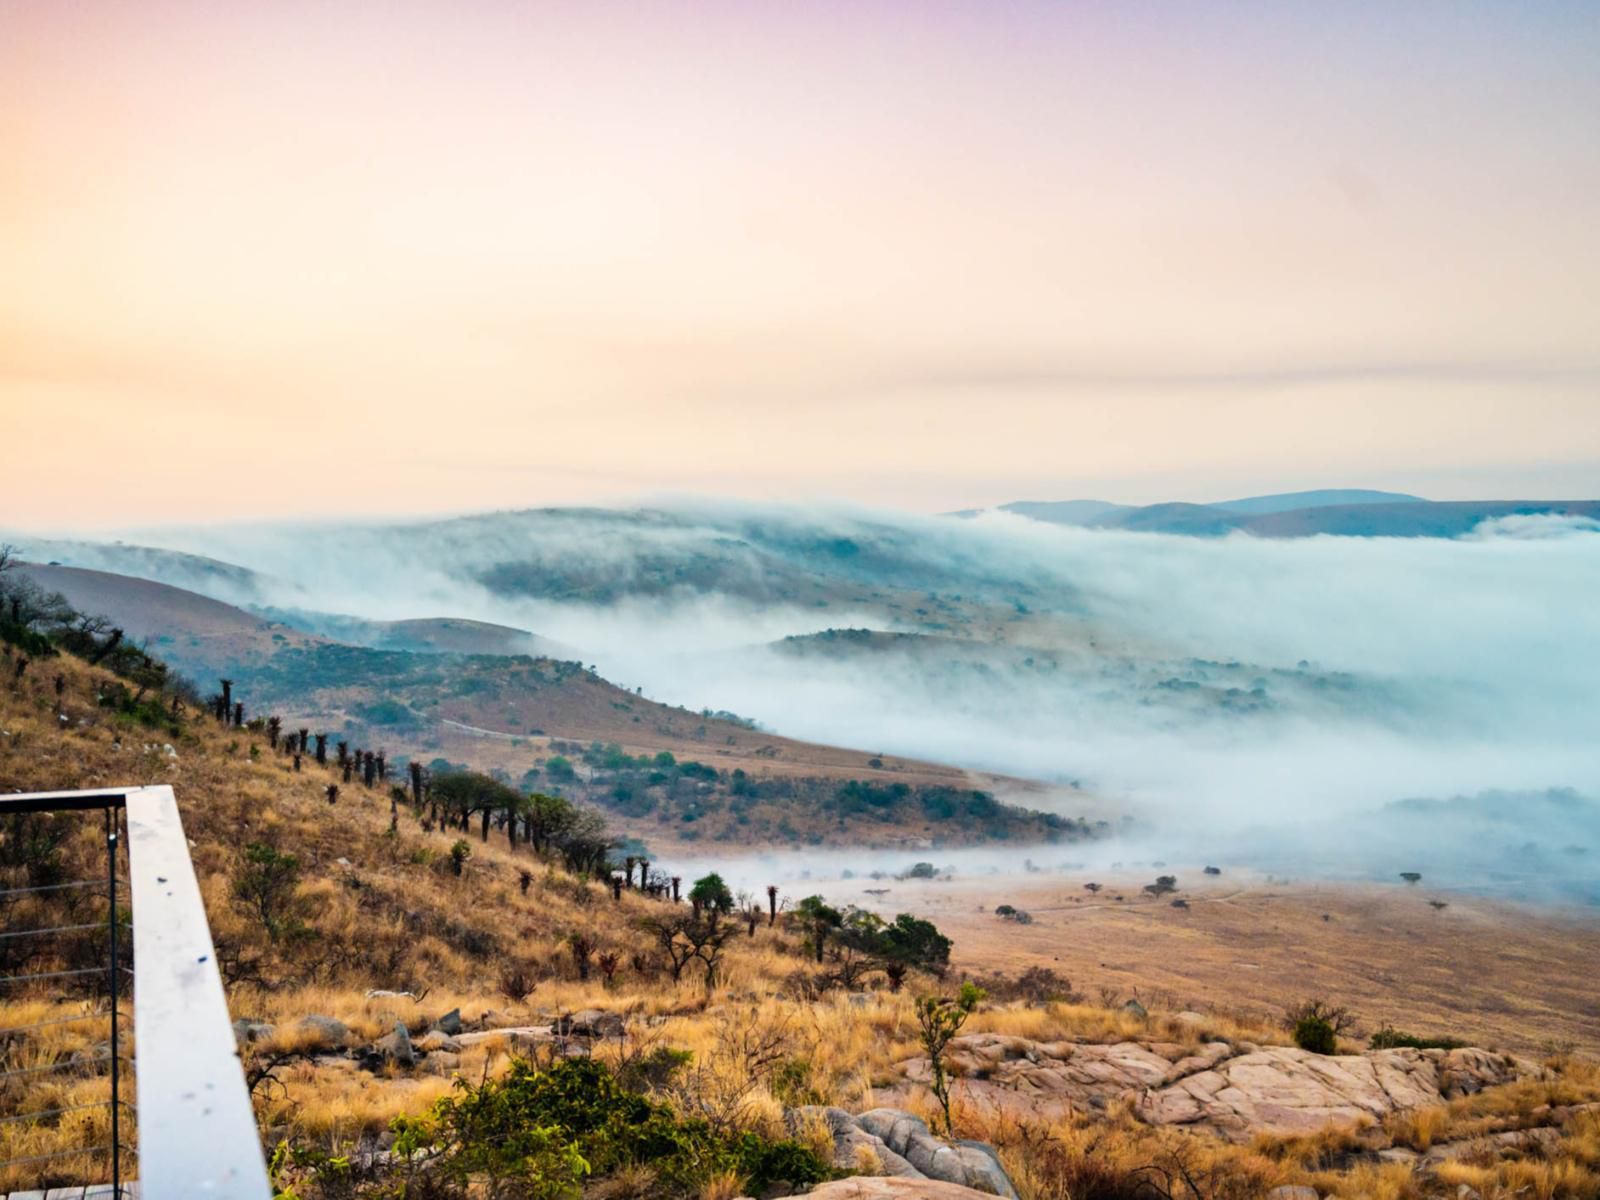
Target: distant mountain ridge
1343,512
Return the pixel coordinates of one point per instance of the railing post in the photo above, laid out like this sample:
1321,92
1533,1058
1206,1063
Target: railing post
116,1095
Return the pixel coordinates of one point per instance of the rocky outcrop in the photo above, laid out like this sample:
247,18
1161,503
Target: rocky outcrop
892,1188
1233,1090
1288,1090
889,1142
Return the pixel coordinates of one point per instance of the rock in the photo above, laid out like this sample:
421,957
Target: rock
396,1047
246,1030
1398,1155
441,1062
328,1030
529,1035
1285,1090
590,1023
1135,1009
905,1149
1293,1191
865,1187
1236,1091
450,1023
983,1169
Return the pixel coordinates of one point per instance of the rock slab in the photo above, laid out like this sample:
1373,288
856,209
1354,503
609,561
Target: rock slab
887,1142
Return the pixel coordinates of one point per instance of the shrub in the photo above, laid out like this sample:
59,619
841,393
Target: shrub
1316,1035
1390,1038
547,1129
266,886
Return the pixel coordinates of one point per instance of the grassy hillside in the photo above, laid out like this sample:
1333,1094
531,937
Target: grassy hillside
515,714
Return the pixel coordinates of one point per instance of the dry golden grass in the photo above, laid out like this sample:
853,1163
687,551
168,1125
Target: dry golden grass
1493,973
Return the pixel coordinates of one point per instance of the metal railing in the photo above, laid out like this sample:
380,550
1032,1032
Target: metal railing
196,1131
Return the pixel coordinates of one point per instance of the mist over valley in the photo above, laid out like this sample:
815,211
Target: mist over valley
1234,697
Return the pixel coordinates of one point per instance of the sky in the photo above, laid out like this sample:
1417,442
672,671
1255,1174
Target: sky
310,259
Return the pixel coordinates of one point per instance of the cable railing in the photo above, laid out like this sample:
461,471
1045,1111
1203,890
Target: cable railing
75,955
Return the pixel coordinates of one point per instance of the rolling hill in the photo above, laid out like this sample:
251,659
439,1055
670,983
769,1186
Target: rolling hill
1336,512
513,712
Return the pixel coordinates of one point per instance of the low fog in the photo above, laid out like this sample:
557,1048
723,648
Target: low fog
1335,676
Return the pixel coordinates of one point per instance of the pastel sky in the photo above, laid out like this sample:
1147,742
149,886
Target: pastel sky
312,258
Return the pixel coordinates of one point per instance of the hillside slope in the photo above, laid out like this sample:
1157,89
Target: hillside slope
513,713
484,951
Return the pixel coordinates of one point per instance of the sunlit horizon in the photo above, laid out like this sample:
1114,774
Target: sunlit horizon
298,261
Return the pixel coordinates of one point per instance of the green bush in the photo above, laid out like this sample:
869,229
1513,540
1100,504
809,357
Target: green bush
549,1129
1390,1038
1316,1035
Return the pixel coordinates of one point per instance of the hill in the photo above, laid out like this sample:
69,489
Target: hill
1106,514
1304,514
516,714
1323,498
484,951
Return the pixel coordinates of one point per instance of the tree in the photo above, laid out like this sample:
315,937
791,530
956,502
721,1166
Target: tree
686,937
546,818
1411,876
468,792
585,845
818,919
939,1019
711,896
858,945
917,943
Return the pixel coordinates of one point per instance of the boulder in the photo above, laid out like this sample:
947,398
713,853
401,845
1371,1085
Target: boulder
590,1023
246,1030
395,1047
863,1187
450,1023
327,1030
1134,1009
441,1062
905,1149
